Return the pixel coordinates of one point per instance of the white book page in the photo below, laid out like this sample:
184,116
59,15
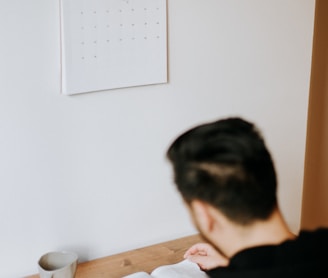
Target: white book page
140,274
183,269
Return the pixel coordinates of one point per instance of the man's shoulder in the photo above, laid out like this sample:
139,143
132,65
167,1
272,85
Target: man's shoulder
320,231
305,256
300,272
318,236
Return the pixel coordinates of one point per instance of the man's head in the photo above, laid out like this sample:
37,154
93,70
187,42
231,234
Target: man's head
226,164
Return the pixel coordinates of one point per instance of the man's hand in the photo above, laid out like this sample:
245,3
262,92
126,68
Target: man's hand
206,256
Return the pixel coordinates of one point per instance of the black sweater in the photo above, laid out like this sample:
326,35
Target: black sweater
305,256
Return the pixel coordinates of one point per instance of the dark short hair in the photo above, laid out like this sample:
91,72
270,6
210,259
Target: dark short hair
226,164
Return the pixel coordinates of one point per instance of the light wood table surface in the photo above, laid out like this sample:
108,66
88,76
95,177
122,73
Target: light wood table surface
142,259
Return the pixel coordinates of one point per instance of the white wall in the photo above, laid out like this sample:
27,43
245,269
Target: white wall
88,173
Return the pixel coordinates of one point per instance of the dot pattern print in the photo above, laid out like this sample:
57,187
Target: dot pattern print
112,44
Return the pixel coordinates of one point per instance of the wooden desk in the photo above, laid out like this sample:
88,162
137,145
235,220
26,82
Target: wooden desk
142,259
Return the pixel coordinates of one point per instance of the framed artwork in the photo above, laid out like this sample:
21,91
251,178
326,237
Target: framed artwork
109,44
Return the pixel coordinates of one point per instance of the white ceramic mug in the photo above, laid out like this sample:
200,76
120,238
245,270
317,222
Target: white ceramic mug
58,265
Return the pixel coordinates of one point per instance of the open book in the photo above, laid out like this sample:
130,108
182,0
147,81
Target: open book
183,269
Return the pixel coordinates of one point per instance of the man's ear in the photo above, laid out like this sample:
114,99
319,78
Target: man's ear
202,214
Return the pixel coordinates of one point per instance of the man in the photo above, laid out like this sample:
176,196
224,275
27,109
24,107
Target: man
226,176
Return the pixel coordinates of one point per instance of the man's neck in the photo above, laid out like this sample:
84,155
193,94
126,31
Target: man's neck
272,231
